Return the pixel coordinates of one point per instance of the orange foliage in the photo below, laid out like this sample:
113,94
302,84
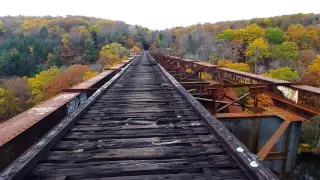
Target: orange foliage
263,101
135,49
73,76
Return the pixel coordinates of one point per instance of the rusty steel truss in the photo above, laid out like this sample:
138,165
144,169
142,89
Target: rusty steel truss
293,101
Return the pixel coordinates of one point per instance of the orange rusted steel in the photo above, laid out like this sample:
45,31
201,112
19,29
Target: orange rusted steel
272,141
275,156
291,103
268,111
191,74
16,125
245,95
251,85
304,98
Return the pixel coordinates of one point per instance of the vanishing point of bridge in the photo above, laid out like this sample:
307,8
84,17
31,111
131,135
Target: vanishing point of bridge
137,122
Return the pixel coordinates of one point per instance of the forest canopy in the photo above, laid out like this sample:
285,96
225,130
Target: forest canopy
41,55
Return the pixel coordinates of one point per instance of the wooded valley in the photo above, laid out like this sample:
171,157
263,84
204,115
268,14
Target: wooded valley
39,56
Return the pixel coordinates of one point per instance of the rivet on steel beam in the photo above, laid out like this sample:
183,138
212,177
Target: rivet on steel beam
215,122
221,129
253,164
239,149
230,138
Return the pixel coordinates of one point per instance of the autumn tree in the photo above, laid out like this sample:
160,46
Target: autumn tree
90,51
94,30
274,35
17,89
250,33
258,51
67,79
2,28
44,32
112,54
283,73
65,40
311,37
295,33
37,83
135,49
84,33
227,34
287,53
306,57
312,76
9,105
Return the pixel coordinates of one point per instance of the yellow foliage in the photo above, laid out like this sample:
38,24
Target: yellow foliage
95,28
2,101
236,66
106,23
31,50
65,40
258,48
239,67
38,82
315,66
2,29
263,101
32,23
250,33
109,60
135,49
89,75
84,33
188,70
223,62
304,147
206,76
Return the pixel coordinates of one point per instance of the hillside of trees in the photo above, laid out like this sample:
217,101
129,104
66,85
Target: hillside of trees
41,55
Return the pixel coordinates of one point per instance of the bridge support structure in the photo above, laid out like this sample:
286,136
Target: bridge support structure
270,132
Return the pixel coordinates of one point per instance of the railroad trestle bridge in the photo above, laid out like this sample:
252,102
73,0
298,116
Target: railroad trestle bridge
160,117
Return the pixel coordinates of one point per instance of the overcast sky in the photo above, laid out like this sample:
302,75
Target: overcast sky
160,14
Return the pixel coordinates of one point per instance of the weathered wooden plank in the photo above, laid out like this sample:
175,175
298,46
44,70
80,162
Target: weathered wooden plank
134,143
160,152
137,167
96,128
136,133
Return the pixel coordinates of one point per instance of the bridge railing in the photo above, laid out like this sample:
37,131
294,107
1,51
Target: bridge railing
21,131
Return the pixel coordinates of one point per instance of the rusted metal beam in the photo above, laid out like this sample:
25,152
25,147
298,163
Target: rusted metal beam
307,98
221,102
291,103
273,140
275,155
245,95
194,83
251,85
191,74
